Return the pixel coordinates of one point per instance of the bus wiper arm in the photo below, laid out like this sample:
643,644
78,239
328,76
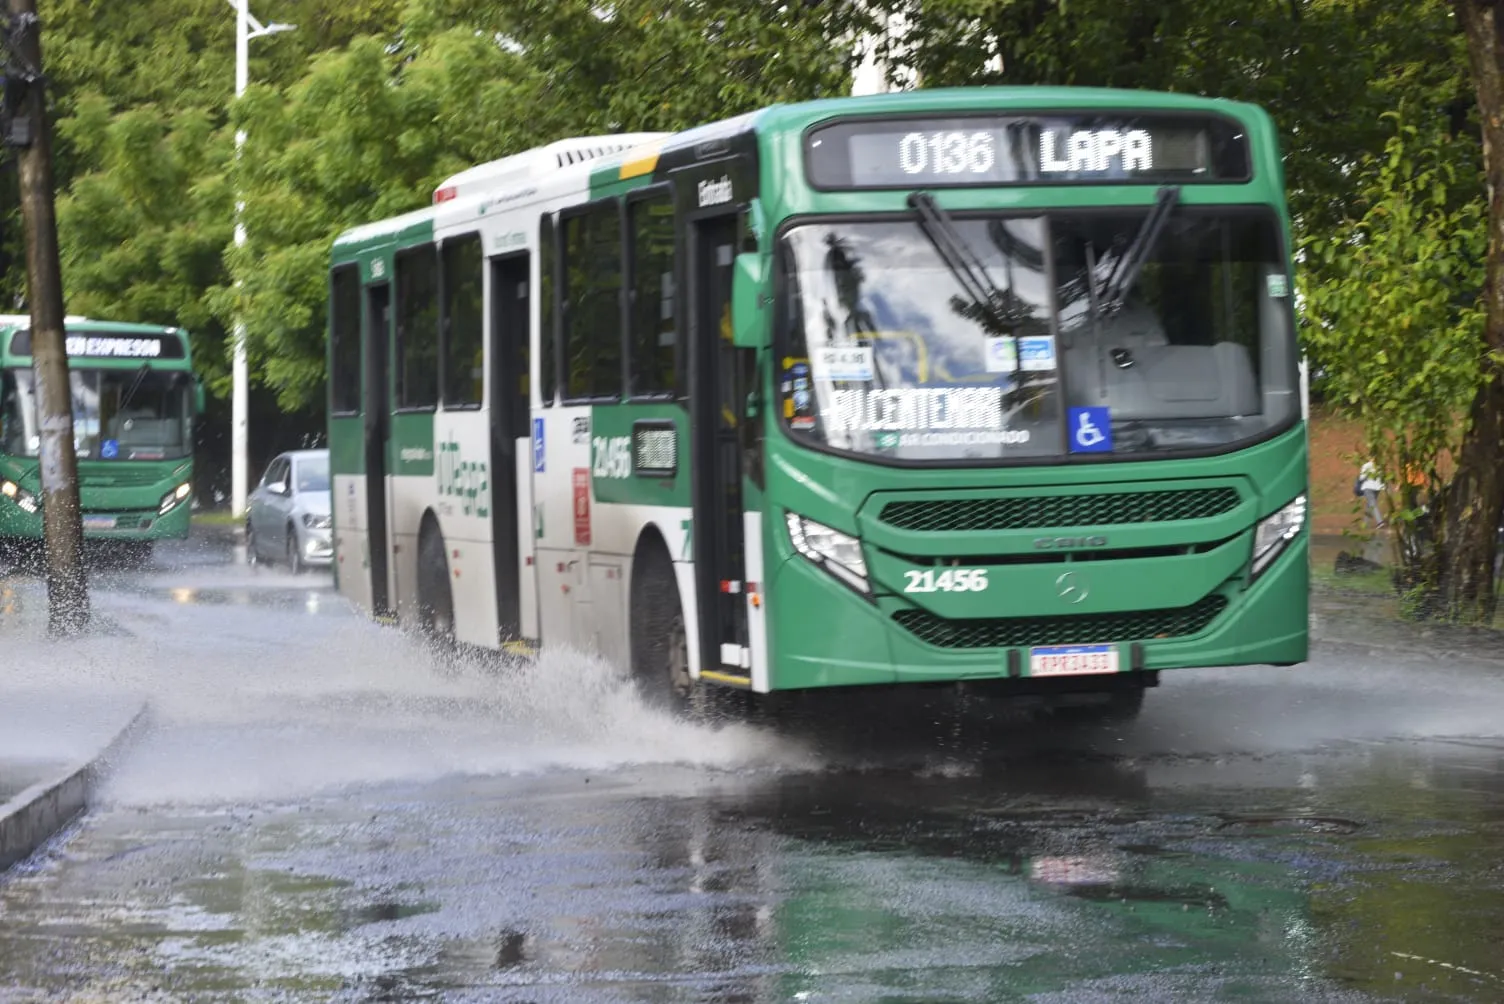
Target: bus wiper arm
130,392
1125,271
958,257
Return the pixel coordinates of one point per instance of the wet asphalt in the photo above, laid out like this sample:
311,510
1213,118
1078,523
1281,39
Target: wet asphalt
320,811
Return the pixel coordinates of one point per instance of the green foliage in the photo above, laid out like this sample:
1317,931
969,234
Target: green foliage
1391,305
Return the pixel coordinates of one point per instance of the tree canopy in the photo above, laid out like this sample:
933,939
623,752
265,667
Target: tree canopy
357,114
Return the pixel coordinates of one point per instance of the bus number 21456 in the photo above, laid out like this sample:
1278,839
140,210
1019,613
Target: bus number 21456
951,580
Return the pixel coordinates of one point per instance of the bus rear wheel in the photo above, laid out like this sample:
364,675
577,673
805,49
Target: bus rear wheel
660,643
435,601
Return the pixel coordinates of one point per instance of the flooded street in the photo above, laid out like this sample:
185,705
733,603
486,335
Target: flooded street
318,811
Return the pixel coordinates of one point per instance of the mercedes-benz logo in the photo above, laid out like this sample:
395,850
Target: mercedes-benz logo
1072,587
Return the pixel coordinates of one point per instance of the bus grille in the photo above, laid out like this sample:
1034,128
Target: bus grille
1084,629
939,515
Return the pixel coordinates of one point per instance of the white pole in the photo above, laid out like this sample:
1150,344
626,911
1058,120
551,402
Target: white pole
240,368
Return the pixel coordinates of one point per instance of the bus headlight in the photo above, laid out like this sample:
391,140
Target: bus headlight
173,497
20,496
1275,531
317,521
838,553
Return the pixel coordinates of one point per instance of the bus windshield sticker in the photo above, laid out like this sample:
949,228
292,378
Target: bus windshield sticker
1002,354
851,363
1036,353
109,449
1279,286
1091,430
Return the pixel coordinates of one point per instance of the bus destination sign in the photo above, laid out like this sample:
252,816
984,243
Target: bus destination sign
109,345
1026,150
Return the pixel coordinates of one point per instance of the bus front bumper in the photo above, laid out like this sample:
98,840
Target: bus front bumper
129,525
852,641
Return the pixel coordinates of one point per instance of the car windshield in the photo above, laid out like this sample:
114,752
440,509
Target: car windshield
139,414
312,474
892,347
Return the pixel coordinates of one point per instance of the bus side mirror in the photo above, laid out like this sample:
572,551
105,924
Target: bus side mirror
198,395
748,277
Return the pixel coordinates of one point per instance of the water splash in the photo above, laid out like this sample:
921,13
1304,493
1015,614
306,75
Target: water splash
275,705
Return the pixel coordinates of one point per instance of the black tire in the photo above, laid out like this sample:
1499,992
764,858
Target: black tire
294,553
435,599
1119,707
251,557
660,643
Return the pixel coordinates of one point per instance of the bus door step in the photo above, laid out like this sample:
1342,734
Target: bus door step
726,679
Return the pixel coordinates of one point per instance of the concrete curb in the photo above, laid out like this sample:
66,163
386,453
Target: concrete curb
37,814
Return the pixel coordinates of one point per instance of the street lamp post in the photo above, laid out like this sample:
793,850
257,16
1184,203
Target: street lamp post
246,28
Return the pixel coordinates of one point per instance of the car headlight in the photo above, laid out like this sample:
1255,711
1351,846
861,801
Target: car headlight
315,521
20,496
838,553
173,497
1277,530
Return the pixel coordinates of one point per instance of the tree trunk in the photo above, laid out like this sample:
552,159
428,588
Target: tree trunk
1473,505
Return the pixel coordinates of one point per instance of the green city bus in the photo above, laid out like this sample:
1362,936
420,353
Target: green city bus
985,385
134,402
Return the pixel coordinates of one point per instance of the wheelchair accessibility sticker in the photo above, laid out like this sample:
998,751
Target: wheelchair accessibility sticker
1091,430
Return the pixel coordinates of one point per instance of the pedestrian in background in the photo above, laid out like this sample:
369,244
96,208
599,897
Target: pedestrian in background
1369,487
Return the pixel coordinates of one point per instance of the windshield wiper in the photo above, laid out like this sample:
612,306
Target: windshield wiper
1126,269
960,259
130,392
1114,292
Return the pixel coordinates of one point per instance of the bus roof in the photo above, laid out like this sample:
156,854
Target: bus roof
74,322
588,161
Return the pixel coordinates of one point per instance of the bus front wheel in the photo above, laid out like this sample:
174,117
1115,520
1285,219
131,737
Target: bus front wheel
660,644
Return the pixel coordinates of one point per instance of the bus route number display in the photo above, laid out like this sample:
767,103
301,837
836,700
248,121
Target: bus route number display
888,153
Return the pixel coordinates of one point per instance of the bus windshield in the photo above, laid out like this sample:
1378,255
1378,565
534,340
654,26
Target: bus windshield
137,414
1000,337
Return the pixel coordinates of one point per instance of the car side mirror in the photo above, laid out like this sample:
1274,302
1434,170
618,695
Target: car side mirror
748,279
277,487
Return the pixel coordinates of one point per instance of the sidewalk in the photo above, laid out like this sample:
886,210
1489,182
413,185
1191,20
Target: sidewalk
55,742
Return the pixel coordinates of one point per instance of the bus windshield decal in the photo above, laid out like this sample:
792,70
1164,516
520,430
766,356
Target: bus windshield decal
1044,149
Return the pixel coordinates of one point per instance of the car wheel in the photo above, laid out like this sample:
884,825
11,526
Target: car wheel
294,552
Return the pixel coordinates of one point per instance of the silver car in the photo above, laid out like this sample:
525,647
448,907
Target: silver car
287,517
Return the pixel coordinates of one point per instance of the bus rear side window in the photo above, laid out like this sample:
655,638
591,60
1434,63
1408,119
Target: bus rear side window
417,328
344,341
462,321
592,296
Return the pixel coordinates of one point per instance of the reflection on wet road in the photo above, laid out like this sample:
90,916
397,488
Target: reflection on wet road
320,812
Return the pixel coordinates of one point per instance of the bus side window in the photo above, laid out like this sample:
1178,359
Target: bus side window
592,303
653,344
417,362
548,332
461,262
344,340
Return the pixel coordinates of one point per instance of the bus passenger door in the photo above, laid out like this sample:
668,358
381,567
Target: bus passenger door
511,482
377,431
719,383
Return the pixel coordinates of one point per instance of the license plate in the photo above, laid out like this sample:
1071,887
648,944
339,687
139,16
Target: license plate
1072,660
99,522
